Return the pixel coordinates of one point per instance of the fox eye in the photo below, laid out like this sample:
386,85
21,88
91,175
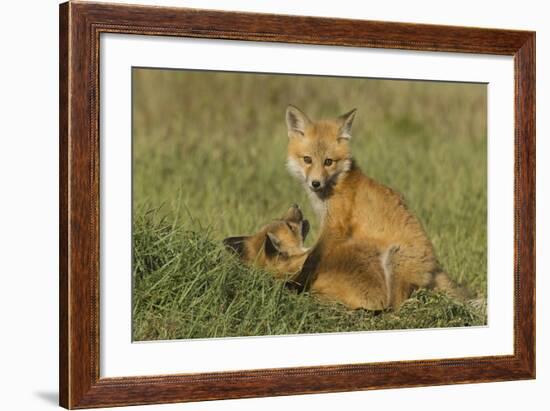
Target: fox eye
328,162
307,159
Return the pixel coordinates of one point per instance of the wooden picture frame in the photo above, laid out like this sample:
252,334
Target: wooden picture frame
80,27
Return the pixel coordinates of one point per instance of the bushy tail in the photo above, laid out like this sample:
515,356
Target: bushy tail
443,282
480,304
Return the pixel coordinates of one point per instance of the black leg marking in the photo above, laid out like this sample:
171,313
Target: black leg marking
303,280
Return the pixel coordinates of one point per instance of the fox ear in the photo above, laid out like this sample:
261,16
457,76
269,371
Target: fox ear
296,121
236,245
272,244
346,121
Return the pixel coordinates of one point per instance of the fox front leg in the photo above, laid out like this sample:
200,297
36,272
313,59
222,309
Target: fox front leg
304,278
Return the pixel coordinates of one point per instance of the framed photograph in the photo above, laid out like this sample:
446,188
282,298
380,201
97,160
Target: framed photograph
258,205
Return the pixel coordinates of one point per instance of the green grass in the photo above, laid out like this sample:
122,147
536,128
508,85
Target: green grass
209,154
203,292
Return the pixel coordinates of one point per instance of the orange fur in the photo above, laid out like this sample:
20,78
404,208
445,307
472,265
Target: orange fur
277,247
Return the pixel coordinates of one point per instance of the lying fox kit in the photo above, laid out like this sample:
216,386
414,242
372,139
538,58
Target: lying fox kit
278,246
372,251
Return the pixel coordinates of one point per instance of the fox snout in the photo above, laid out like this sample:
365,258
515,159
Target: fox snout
316,176
316,185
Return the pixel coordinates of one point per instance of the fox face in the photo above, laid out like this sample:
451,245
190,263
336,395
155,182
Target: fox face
318,151
276,244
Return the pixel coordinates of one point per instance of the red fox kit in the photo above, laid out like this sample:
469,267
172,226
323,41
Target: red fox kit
364,224
278,246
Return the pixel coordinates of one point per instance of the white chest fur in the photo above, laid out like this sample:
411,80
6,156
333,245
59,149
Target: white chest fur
319,206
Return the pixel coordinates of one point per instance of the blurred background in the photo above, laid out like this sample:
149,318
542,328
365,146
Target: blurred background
210,147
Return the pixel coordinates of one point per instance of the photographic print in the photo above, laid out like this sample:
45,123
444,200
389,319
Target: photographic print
277,204
257,193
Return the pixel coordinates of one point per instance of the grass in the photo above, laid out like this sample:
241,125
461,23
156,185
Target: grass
209,153
203,293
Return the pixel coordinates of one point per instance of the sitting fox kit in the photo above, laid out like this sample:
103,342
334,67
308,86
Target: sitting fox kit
372,252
